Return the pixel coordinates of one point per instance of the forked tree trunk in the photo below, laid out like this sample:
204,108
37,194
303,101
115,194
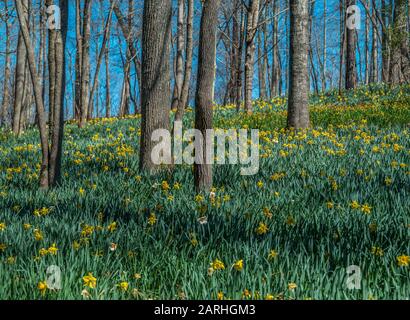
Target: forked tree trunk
183,103
298,112
155,90
179,70
204,90
44,181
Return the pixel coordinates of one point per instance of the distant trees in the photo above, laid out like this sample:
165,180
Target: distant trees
126,51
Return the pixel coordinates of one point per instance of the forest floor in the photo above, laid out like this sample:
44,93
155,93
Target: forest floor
335,196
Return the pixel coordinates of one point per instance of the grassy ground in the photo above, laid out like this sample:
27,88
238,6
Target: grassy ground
335,196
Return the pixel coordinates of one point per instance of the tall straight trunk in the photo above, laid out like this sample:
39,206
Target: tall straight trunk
261,69
85,62
188,62
107,81
179,72
234,53
298,112
44,181
78,61
375,50
57,42
312,63
240,59
20,75
324,49
366,49
42,55
155,90
342,43
351,72
385,44
276,72
204,90
251,29
7,68
266,66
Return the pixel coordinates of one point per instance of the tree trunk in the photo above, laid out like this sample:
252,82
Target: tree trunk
240,59
324,49
57,41
20,76
179,72
7,69
298,113
78,62
107,83
252,28
400,63
155,90
375,50
44,181
276,72
107,30
204,90
85,62
351,72
183,103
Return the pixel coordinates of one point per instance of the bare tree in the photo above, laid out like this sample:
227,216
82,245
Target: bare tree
7,67
298,113
252,28
85,62
21,73
155,91
205,88
183,102
351,45
400,59
179,65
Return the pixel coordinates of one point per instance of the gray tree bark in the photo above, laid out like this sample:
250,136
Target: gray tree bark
205,86
20,74
44,181
400,59
179,70
155,90
351,44
85,62
183,103
298,112
252,28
